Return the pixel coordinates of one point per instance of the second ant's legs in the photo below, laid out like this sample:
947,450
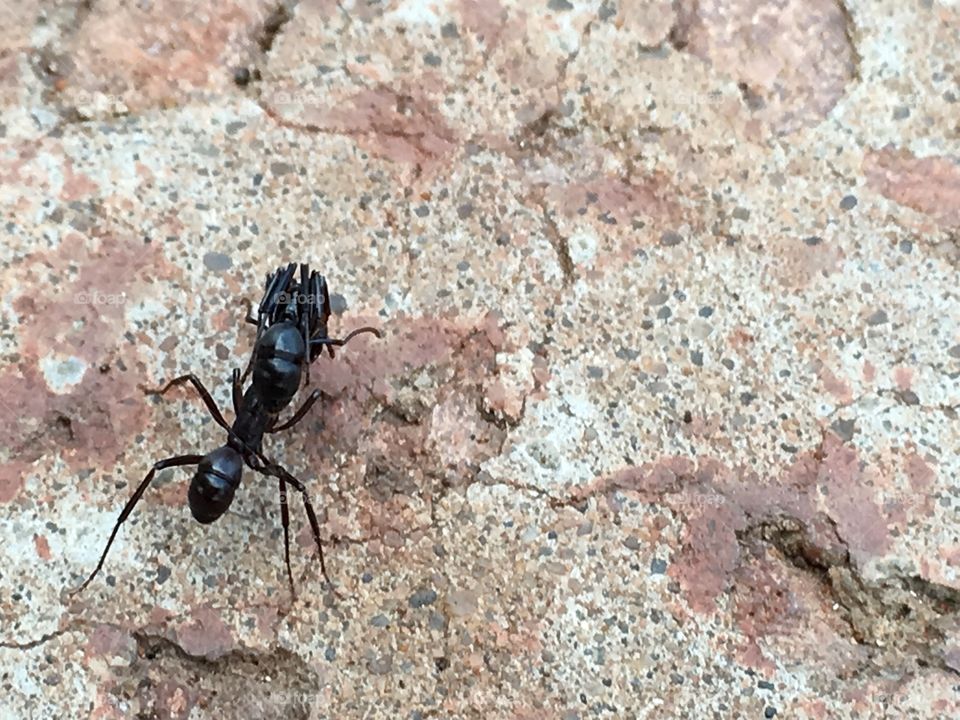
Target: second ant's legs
298,415
276,287
198,386
175,461
304,303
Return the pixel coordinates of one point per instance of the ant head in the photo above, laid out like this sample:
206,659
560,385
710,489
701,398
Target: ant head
216,480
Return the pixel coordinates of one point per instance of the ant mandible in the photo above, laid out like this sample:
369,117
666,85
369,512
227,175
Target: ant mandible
291,333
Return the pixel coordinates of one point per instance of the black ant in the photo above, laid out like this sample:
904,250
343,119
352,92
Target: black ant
291,333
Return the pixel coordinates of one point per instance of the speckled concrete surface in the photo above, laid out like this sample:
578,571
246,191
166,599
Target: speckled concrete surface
664,419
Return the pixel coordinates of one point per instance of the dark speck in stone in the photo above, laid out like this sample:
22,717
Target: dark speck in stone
217,262
877,318
696,357
845,429
338,304
449,31
813,240
908,397
423,597
769,712
849,202
421,211
281,168
658,566
670,238
706,311
594,371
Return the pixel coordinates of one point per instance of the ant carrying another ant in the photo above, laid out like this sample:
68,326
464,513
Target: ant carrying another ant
291,333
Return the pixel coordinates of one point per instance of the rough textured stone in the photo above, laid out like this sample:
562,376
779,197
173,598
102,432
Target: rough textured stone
664,420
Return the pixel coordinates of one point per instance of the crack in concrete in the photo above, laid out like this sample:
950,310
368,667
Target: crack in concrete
559,242
281,14
898,616
903,397
31,644
850,33
685,13
278,683
571,56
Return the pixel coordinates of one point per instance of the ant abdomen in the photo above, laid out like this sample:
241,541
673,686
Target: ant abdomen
278,366
216,480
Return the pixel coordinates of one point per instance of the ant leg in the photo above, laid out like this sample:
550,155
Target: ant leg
341,342
253,356
175,461
305,314
278,471
327,311
237,391
299,414
285,521
248,306
198,386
